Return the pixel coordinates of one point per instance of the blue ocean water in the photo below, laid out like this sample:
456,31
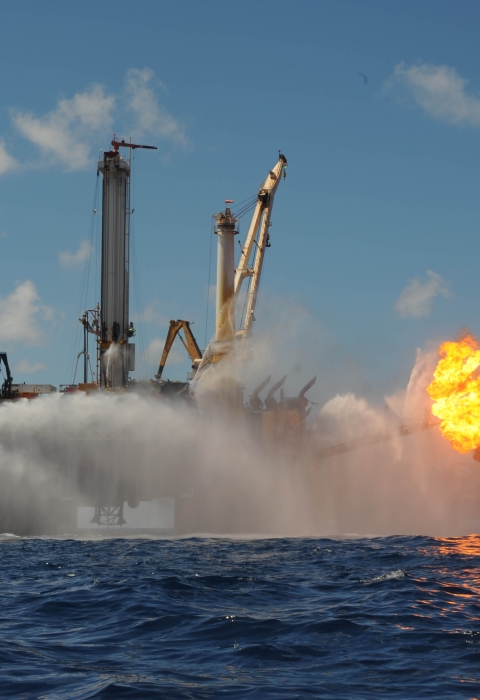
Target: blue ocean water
395,617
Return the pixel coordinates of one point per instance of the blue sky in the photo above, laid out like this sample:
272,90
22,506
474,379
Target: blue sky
375,237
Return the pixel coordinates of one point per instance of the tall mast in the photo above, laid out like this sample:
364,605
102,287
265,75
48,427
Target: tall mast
116,354
226,230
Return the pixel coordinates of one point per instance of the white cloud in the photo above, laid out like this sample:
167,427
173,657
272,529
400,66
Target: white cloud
7,162
440,91
416,299
154,351
151,315
25,367
150,118
21,314
64,136
68,259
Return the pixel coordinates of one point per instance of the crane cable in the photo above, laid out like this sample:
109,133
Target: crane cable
250,204
74,338
137,292
208,283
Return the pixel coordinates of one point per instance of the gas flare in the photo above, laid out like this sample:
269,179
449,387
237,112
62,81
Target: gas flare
456,393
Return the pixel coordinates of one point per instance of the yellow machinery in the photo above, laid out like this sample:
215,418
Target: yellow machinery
258,235
229,279
190,345
219,369
217,372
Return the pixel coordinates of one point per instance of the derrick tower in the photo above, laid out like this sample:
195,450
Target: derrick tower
117,354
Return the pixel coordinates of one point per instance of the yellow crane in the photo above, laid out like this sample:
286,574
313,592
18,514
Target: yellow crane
258,235
229,280
190,344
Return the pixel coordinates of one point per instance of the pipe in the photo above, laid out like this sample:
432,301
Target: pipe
225,311
307,387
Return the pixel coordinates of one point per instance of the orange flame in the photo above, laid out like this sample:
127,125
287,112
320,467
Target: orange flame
456,393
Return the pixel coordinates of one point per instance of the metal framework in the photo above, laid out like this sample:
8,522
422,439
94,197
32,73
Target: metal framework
229,279
117,356
259,236
110,516
190,345
115,270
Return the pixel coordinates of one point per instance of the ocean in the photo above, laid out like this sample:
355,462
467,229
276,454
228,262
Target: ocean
395,617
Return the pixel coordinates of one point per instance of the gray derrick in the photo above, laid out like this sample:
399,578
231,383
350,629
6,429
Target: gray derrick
116,354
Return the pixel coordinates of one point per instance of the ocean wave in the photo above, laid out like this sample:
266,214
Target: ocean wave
397,574
204,618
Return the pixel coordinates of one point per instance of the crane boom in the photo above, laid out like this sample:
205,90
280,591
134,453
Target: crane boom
257,235
229,279
123,144
190,344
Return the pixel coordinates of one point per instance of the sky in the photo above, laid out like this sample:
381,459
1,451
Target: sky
375,243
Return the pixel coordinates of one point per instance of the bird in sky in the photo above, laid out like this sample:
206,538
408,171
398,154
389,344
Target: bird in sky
365,79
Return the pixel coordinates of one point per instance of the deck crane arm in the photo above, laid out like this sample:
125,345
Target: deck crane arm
190,344
123,144
257,235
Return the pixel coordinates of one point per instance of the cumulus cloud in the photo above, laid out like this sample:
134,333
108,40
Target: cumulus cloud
69,260
21,315
64,134
26,367
438,90
7,162
416,300
152,315
154,351
150,118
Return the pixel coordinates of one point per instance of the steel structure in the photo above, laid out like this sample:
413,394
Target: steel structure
226,230
111,324
117,355
190,345
258,235
6,389
111,516
229,279
114,303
